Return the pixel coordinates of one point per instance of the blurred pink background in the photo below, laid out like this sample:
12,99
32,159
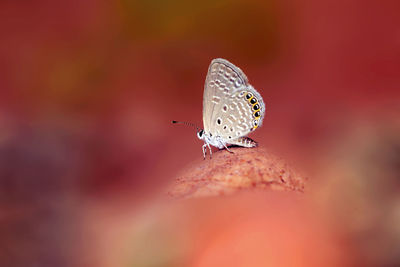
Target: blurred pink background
88,90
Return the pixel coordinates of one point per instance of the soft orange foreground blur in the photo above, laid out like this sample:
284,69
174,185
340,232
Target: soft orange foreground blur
277,229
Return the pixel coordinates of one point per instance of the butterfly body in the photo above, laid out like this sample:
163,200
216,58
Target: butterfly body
232,108
208,138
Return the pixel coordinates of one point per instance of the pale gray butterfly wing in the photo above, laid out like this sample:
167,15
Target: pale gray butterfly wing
222,78
232,108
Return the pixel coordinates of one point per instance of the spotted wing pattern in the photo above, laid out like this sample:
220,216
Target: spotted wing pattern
223,78
232,108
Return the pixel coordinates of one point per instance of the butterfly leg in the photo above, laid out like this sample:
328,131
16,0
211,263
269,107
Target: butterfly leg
209,147
204,150
227,148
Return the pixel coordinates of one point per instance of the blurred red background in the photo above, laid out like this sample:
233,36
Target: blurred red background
89,88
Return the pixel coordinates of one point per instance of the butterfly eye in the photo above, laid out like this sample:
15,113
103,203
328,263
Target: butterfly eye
257,114
255,122
256,107
249,95
253,100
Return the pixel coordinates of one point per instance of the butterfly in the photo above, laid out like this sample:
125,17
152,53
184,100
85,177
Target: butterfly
232,108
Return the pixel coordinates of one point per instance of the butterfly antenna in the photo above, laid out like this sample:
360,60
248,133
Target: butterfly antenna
188,124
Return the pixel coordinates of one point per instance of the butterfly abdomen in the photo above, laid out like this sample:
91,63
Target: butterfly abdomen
245,142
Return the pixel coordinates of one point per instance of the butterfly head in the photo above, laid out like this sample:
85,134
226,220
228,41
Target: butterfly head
200,134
